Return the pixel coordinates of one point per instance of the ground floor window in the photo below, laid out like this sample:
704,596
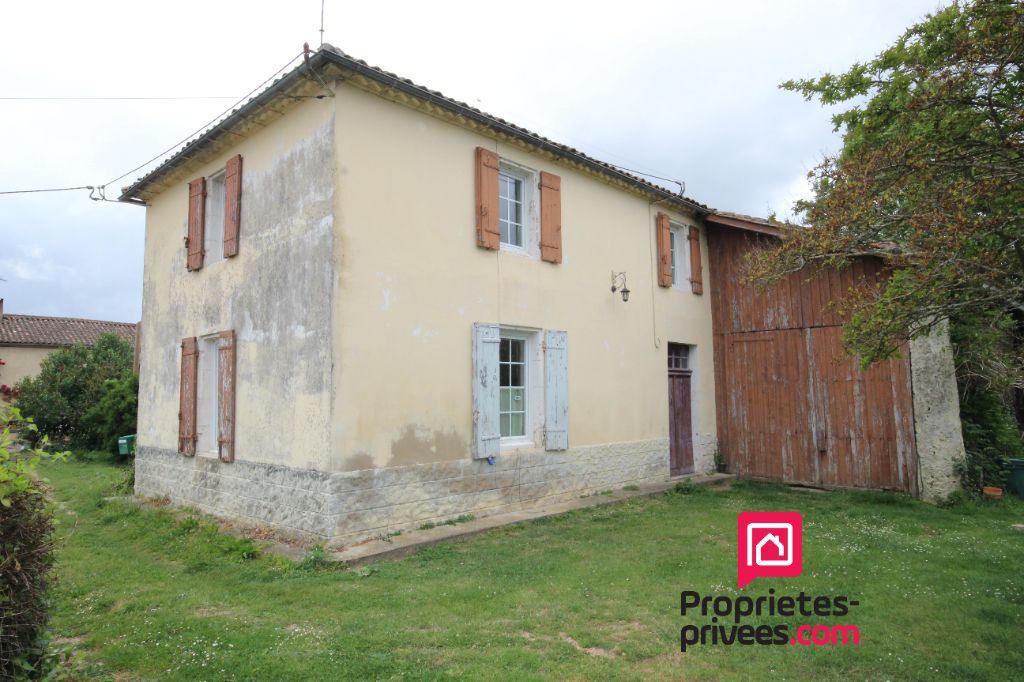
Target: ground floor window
208,394
520,389
678,357
513,372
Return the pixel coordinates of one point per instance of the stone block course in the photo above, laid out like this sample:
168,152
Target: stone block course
347,507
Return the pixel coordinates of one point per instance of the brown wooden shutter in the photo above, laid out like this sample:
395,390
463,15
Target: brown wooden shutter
196,223
488,226
664,251
187,405
696,276
550,217
226,397
232,205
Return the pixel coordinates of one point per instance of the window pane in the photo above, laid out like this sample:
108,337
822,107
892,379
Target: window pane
516,426
506,345
516,378
518,396
505,426
672,254
505,376
506,400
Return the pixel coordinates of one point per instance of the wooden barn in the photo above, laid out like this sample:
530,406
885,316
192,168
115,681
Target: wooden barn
793,407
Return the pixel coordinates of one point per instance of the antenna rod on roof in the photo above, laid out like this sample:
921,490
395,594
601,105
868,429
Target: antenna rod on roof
322,22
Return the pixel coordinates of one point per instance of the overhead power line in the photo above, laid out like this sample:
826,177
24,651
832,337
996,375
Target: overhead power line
50,189
97,192
204,126
82,99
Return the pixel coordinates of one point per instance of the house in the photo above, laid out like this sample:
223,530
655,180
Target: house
26,339
368,306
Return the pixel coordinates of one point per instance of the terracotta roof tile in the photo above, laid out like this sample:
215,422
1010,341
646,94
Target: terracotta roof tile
38,330
330,54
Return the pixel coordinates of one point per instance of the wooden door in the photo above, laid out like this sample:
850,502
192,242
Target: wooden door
680,427
797,409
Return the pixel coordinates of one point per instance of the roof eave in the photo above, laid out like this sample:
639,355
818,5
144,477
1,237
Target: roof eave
130,193
328,55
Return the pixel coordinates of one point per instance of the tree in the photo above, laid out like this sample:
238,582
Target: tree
930,176
70,382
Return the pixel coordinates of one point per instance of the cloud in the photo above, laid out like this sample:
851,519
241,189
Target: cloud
682,89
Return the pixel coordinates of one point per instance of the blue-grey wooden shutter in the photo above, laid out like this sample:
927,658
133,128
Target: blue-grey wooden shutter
486,391
556,390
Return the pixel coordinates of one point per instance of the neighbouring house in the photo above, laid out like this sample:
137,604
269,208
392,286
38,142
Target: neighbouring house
368,306
25,340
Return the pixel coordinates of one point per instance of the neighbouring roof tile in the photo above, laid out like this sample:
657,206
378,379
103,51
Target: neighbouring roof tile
38,330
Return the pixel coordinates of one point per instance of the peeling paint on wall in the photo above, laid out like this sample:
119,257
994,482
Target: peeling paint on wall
276,294
417,445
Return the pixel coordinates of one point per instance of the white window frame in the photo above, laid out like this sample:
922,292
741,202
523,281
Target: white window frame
216,197
679,243
208,396
534,383
529,179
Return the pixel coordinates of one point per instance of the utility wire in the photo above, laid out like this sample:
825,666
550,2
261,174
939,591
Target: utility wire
80,99
205,126
54,189
97,192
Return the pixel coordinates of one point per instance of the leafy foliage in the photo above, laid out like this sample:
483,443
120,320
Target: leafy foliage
930,176
115,413
984,348
71,381
26,549
18,464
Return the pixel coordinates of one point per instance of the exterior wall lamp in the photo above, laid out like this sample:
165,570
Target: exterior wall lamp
619,283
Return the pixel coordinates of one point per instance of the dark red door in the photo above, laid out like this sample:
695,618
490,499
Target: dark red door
680,427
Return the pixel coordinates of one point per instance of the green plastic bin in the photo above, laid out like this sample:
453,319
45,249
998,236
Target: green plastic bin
1016,480
126,445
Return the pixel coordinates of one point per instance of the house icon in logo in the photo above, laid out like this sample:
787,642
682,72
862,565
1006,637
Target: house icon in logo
774,539
769,545
783,548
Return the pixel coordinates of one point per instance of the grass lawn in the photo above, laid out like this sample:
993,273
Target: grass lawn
590,595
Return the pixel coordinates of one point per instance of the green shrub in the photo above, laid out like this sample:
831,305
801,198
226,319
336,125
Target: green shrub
115,414
71,381
686,487
26,550
988,369
990,437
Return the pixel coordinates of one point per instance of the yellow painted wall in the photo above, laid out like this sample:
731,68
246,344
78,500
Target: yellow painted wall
275,294
413,282
21,362
358,281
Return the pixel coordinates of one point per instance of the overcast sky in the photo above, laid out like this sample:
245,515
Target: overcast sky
684,89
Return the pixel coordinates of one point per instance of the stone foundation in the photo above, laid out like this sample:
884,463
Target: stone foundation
940,443
345,507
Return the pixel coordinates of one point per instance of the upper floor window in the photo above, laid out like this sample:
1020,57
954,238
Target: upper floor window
215,195
214,215
679,257
514,205
518,209
511,196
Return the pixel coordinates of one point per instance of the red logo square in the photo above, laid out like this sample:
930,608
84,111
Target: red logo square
770,545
